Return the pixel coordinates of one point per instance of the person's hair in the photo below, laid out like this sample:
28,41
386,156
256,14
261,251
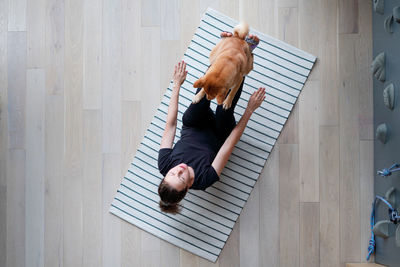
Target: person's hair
170,197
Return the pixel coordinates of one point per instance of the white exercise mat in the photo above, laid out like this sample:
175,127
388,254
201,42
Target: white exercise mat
208,216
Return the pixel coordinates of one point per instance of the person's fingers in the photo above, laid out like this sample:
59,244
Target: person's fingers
260,93
259,90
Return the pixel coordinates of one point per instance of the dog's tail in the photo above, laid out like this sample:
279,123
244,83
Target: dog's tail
241,30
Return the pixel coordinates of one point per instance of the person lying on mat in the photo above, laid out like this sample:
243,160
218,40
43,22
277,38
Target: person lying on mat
207,140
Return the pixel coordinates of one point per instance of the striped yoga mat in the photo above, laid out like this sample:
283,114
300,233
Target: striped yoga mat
208,216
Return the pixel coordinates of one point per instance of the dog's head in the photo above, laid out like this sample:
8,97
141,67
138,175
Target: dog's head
213,87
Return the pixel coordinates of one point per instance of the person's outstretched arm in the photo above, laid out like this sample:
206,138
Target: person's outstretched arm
225,151
170,126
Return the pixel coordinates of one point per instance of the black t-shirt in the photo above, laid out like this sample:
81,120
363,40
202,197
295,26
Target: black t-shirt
197,148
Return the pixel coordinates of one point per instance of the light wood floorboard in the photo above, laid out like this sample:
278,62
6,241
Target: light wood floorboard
288,31
35,23
73,141
92,53
80,82
4,131
308,142
349,151
131,49
35,166
289,205
329,239
328,58
309,234
15,208
92,188
54,175
17,15
55,132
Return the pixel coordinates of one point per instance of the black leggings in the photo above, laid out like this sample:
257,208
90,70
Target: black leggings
200,115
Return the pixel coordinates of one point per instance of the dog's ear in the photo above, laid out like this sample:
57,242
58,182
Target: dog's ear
199,83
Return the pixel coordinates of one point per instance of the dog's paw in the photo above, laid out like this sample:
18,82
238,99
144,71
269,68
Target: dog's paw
227,104
196,99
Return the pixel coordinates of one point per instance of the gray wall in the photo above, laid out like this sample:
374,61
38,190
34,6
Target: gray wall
386,154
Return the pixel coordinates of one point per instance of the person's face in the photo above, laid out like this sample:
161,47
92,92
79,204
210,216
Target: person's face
179,177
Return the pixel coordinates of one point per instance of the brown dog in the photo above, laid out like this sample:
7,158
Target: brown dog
230,60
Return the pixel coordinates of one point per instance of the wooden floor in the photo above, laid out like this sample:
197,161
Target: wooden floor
79,84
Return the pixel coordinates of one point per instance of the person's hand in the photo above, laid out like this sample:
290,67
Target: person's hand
179,74
256,99
225,34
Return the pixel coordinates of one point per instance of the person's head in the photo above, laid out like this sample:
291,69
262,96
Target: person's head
174,187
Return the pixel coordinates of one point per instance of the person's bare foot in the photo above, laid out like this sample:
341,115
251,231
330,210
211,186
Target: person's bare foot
253,41
226,34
